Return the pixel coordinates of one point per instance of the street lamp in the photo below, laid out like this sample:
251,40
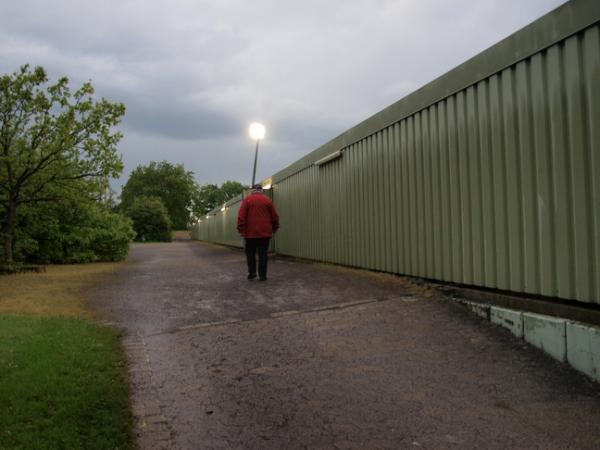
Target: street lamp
257,132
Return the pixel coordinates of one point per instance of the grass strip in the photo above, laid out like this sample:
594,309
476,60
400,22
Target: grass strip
60,291
62,385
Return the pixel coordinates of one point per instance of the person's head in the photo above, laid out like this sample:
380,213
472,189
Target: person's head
257,188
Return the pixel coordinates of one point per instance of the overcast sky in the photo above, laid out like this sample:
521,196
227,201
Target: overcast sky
194,73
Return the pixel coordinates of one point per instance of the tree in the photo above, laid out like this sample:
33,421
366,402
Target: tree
54,144
150,219
171,183
206,199
209,196
232,189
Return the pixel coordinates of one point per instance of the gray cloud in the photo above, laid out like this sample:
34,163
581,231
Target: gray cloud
156,117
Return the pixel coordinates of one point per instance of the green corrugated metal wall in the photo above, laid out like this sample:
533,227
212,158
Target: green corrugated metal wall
488,176
220,226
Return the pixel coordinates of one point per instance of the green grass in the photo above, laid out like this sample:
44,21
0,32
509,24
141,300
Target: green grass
62,385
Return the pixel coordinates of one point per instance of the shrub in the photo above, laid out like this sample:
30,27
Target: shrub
110,241
150,219
72,232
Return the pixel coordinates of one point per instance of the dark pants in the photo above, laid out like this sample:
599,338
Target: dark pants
262,245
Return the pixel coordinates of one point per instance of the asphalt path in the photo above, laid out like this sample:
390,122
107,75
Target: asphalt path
324,357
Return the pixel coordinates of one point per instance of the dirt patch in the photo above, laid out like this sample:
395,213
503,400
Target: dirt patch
57,292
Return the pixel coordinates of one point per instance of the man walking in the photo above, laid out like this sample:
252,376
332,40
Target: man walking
257,221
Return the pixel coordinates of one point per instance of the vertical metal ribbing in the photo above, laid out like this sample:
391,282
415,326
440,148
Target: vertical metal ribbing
301,214
544,179
473,157
310,214
529,251
368,203
419,195
347,191
297,221
487,185
328,212
356,199
388,163
363,209
591,75
378,199
336,202
405,213
463,203
454,179
436,206
343,243
497,151
513,186
561,170
412,207
384,183
579,164
332,210
428,197
444,191
396,177
392,202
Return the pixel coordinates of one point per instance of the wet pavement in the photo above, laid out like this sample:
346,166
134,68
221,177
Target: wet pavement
323,357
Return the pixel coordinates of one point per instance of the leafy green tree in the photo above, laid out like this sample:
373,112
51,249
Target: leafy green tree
150,219
169,182
206,199
232,189
54,144
210,196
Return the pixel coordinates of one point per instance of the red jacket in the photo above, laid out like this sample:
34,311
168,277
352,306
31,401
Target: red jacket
257,217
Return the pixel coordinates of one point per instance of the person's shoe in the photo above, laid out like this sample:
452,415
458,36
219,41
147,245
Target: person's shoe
251,276
262,279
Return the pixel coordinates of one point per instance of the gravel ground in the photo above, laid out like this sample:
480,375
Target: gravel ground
323,357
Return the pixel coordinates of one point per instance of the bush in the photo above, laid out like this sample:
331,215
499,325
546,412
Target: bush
72,232
150,219
110,242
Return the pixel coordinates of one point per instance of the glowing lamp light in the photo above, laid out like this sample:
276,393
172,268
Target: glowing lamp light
223,208
257,131
267,186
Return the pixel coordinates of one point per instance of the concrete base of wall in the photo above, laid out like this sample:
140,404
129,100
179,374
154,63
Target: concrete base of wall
481,310
583,348
546,333
507,318
575,311
566,341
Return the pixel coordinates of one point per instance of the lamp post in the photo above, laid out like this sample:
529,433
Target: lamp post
257,132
